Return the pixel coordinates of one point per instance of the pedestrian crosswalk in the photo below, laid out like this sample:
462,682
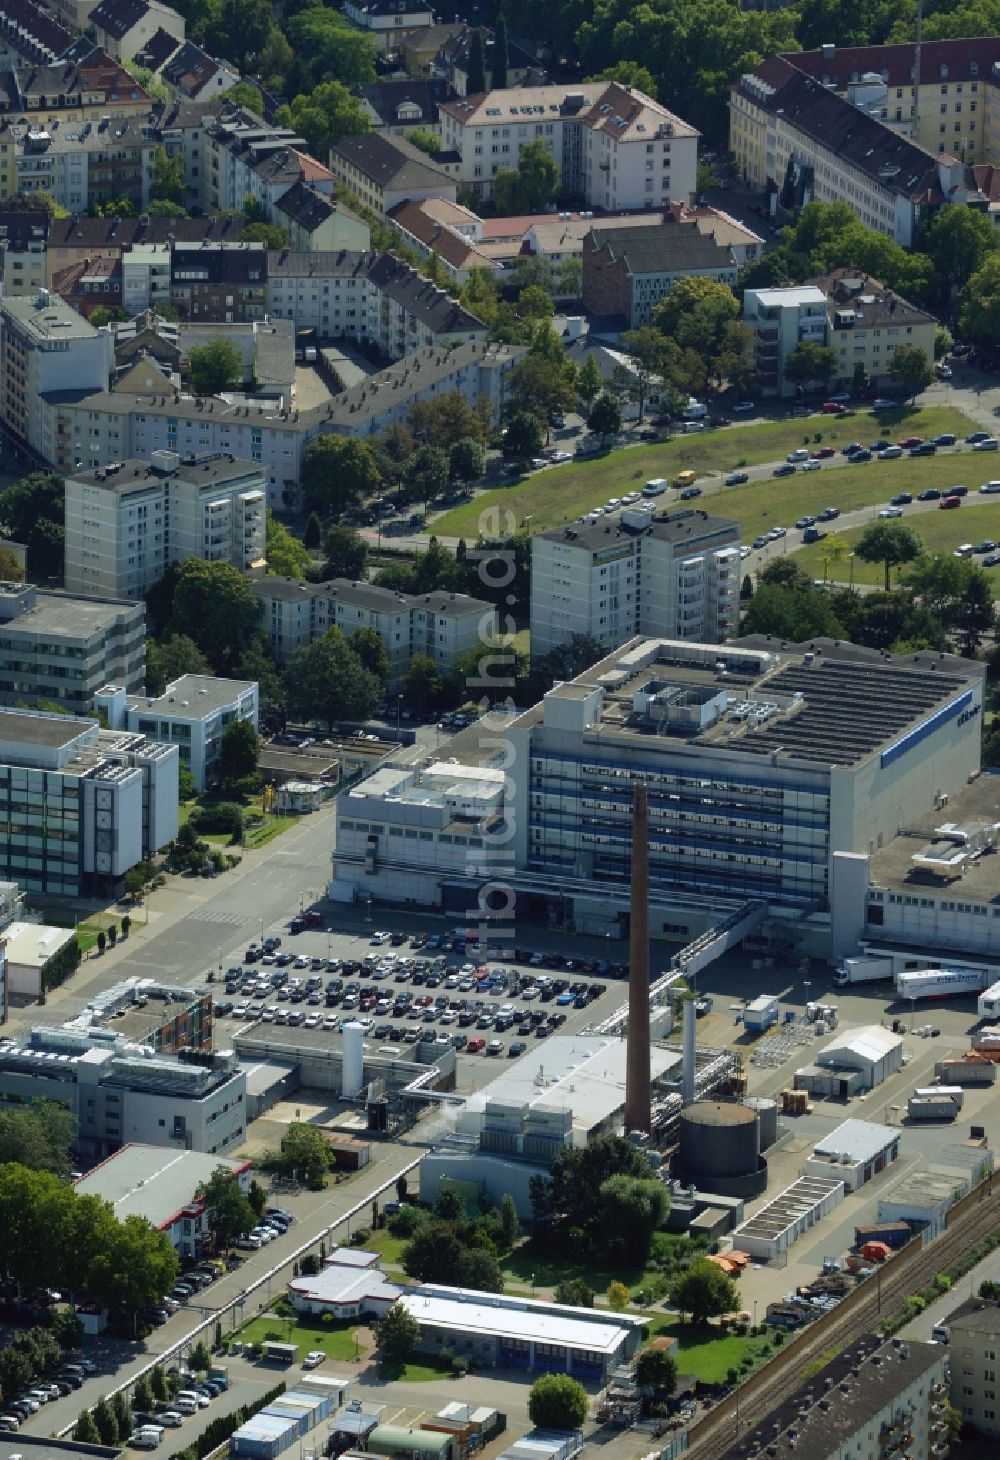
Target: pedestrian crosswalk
229,920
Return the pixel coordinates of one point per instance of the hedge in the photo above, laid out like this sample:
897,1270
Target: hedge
219,1430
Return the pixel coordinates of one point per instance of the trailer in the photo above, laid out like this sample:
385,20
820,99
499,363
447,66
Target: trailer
975,1069
866,968
941,983
931,1107
761,1013
931,1092
989,1002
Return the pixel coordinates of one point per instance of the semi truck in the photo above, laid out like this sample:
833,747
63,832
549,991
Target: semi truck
941,983
866,968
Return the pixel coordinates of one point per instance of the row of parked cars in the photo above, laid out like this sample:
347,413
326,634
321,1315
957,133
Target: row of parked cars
275,1224
151,1426
69,1377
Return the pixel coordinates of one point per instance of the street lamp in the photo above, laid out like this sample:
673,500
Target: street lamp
399,702
850,559
378,520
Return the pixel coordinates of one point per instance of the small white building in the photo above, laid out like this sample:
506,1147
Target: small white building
162,1185
853,1153
192,713
871,1051
298,798
774,1228
29,948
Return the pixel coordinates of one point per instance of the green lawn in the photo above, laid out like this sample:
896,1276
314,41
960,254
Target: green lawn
335,1340
706,1352
941,531
559,494
390,1247
272,826
521,1265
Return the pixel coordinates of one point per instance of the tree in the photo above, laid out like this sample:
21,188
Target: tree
402,1187
589,380
425,474
498,56
287,557
510,1227
367,644
888,543
142,1393
423,140
328,113
575,1292
656,1372
558,1402
694,314
227,1209
305,1152
158,1383
544,380
239,752
479,1269
396,1336
958,241
40,496
810,362
167,659
312,537
433,1253
537,169
632,1209
979,311
66,1328
271,234
326,680
103,315
475,84
327,48
39,1136
440,422
102,941
168,177
104,1419
523,435
336,472
86,1431
912,368
465,461
238,30
216,606
605,418
955,593
215,367
792,613
134,1266
629,73
10,566
423,683
704,1291
122,1412
617,1296
346,554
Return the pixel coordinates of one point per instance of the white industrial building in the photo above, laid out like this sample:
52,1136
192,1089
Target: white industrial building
853,1061
669,575
855,1152
126,523
29,946
762,762
161,1186
929,1190
192,713
783,1220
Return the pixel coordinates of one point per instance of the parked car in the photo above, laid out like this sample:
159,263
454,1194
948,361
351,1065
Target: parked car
737,478
947,503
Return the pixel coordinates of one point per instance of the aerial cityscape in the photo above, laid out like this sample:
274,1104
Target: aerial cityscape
499,729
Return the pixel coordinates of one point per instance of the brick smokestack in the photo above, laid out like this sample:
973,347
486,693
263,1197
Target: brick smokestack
638,1115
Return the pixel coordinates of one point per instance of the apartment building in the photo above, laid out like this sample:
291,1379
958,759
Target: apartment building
441,625
23,252
862,320
120,1095
79,805
192,713
92,431
123,27
46,347
450,59
316,223
880,1398
389,22
372,298
382,171
787,128
672,574
74,90
219,281
61,648
128,522
952,105
83,164
613,144
762,764
397,105
191,71
628,271
83,240
244,157
974,1342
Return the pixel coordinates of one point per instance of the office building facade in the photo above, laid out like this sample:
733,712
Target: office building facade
57,647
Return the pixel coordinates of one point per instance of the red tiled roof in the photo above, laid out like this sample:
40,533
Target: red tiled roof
969,58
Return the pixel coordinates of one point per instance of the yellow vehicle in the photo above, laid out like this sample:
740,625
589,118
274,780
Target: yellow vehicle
685,479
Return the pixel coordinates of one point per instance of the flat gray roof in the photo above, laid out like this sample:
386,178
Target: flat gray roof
692,528
48,730
192,697
52,320
63,616
136,476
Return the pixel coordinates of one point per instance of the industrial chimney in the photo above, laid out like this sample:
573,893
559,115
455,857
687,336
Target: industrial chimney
638,1116
689,1043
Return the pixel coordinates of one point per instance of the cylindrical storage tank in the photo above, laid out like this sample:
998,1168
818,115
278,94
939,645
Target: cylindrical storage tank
352,1070
720,1148
767,1117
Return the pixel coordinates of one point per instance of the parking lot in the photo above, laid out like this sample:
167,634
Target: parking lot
303,981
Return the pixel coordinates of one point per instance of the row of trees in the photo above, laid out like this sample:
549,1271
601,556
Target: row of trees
55,1237
454,1247
601,1199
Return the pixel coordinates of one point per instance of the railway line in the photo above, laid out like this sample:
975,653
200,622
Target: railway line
973,1219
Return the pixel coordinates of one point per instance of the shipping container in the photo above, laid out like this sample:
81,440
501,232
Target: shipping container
893,1234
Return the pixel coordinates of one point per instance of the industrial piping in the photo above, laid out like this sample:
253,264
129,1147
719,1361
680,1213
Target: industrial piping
638,1111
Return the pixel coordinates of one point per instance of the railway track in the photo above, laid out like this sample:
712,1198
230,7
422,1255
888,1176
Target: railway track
878,1297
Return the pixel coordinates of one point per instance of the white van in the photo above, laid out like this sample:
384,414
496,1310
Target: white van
200,1401
146,1437
655,488
185,1404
